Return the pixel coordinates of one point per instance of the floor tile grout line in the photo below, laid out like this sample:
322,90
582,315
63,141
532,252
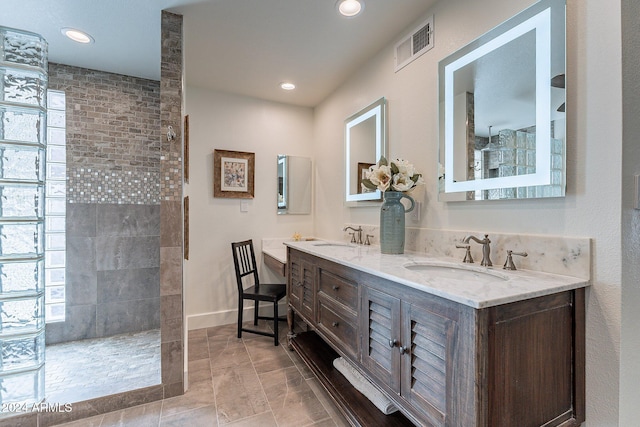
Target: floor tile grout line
182,412
298,367
259,381
215,400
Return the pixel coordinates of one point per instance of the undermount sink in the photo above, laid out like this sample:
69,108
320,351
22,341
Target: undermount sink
347,245
455,272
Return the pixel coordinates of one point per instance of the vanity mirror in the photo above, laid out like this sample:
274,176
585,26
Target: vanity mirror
365,141
502,110
294,185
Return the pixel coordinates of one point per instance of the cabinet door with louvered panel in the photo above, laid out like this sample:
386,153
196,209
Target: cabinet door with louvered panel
380,331
301,286
427,361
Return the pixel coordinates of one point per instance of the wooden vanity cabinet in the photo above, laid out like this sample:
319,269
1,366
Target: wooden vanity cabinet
444,363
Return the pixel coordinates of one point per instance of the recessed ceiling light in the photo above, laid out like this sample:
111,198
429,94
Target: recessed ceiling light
350,8
77,35
287,86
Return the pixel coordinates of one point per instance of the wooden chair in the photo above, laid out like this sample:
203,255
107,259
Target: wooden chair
244,260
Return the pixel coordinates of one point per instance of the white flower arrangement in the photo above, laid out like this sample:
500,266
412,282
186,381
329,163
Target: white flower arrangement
398,175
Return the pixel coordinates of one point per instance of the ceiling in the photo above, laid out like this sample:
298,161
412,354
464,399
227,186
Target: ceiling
246,47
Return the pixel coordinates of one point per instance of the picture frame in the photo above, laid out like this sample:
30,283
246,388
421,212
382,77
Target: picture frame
233,174
363,168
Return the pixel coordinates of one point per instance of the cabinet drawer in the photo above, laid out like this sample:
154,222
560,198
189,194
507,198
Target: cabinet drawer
339,324
339,288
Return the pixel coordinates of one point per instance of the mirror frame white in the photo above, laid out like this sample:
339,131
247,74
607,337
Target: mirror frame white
538,17
377,110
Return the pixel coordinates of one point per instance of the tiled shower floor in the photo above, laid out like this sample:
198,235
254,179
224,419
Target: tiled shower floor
86,369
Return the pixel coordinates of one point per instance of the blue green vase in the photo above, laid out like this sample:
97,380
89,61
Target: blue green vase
392,222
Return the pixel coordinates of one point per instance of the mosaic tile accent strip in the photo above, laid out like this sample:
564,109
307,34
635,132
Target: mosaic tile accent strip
171,183
87,185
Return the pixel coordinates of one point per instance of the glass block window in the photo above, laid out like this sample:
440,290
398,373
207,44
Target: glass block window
55,248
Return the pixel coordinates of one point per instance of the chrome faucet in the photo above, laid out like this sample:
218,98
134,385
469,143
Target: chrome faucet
355,230
486,248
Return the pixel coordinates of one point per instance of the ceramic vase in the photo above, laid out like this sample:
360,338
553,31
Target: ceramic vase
392,222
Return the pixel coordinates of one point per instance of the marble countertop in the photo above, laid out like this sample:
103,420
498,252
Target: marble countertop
277,252
469,284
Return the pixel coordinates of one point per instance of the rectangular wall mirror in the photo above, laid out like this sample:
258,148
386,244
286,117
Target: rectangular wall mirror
365,141
294,185
502,110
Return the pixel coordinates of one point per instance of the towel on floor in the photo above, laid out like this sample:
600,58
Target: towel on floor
365,387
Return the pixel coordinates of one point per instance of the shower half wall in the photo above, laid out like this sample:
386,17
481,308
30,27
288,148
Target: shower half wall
113,204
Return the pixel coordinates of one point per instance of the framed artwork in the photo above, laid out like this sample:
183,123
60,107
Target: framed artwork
363,168
233,173
186,148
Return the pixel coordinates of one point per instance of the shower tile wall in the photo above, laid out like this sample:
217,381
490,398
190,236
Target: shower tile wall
113,204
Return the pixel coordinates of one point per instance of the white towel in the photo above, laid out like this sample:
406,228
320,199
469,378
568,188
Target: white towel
365,387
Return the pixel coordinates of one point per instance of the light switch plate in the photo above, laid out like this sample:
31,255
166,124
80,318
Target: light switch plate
244,206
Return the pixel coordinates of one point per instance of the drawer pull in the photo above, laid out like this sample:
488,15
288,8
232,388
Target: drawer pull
335,287
393,343
335,324
299,284
403,350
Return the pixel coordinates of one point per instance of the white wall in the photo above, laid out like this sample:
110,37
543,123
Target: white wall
592,207
229,122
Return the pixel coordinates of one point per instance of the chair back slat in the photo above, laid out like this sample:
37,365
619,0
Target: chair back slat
244,260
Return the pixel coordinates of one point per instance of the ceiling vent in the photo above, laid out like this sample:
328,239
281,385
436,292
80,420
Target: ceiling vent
415,44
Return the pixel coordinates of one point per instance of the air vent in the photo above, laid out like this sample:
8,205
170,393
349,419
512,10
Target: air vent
415,44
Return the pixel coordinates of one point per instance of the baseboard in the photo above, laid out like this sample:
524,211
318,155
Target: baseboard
225,317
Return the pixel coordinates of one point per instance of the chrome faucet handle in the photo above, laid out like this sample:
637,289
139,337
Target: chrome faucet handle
353,237
467,255
367,242
508,264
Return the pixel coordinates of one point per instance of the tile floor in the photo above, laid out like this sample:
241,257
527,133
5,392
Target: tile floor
86,369
236,382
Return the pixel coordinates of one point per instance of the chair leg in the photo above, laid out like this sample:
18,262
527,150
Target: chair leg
240,309
275,323
255,314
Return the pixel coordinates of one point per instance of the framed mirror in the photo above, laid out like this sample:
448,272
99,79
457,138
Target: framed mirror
294,185
365,141
502,110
